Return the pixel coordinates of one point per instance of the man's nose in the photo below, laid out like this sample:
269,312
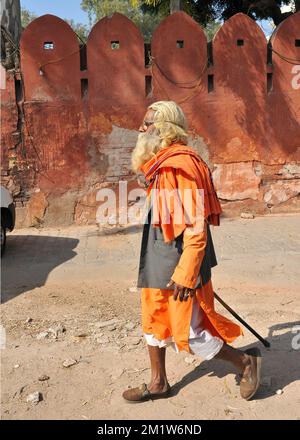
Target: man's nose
142,128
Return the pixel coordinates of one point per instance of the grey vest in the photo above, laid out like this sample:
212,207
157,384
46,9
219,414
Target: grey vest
159,259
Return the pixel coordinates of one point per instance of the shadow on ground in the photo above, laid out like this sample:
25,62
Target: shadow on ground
29,259
280,362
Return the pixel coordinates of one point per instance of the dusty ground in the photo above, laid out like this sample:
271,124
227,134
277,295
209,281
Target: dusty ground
75,278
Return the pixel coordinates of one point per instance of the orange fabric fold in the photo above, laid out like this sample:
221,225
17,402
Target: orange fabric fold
179,167
163,317
187,270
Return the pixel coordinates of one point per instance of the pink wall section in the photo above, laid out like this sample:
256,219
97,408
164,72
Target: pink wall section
61,142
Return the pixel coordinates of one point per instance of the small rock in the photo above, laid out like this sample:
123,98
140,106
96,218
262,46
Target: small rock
17,366
56,330
231,408
34,398
133,340
81,335
140,370
28,320
189,360
103,340
117,374
247,215
133,289
42,335
131,347
102,324
69,363
129,326
22,389
279,392
43,378
111,328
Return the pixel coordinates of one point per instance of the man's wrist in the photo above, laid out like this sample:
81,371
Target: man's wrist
180,278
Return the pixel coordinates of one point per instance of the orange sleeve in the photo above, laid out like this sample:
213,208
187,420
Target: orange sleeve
194,233
194,241
181,199
187,269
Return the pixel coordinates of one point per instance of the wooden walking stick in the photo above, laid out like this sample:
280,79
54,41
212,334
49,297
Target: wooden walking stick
264,341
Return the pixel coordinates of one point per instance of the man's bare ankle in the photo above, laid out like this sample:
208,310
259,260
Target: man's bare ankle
159,383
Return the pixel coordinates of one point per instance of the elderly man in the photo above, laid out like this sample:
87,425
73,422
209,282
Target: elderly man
176,258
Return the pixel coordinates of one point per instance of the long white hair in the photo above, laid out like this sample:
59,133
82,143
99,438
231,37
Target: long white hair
171,122
170,127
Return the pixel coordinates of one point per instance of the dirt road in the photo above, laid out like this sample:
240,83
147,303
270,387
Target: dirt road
61,286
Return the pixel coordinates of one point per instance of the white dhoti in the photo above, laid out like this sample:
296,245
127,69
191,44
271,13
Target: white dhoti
201,342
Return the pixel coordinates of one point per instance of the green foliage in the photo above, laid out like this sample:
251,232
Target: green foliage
27,17
211,28
205,11
80,29
145,14
146,21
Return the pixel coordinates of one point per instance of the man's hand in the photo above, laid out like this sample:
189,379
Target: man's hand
184,293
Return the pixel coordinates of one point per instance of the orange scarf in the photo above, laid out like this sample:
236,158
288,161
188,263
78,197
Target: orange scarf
187,160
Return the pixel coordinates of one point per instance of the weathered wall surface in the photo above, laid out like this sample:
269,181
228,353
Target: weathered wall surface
69,121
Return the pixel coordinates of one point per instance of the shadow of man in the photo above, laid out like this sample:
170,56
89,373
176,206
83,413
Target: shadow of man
29,260
280,362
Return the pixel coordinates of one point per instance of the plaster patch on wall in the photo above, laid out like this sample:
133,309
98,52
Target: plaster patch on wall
281,191
118,147
291,169
37,206
236,181
60,211
258,169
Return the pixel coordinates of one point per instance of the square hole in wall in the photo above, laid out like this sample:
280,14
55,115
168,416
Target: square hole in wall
240,42
115,45
83,57
297,43
180,44
269,82
84,88
148,84
210,83
49,45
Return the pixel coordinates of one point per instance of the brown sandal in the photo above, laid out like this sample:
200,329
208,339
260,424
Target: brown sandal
249,385
142,394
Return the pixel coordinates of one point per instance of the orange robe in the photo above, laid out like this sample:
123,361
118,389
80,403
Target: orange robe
179,167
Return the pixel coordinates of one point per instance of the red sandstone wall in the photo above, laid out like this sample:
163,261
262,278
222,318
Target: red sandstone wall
62,142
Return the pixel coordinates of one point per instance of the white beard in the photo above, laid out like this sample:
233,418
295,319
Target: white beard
146,146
